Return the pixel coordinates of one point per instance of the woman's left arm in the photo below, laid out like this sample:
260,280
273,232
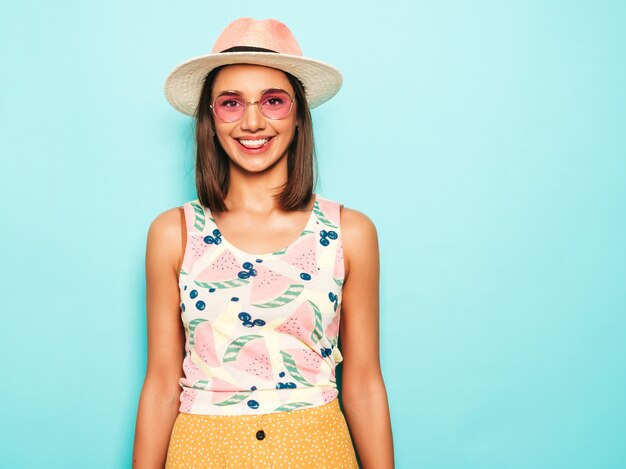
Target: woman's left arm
363,392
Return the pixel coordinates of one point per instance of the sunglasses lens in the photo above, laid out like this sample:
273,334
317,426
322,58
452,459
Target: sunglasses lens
229,107
275,104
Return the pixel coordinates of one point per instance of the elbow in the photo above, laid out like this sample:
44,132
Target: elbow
363,386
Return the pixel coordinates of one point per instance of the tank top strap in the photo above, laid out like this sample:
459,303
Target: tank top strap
329,233
201,231
195,217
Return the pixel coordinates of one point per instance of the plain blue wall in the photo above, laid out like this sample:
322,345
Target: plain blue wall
485,139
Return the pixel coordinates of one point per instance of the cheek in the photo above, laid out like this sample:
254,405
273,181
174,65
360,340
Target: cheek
289,129
222,133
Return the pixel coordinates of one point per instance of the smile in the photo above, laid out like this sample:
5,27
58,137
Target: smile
252,144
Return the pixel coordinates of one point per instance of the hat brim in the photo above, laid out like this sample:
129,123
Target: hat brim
184,83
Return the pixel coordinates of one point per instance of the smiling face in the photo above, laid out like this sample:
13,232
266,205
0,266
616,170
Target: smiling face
254,142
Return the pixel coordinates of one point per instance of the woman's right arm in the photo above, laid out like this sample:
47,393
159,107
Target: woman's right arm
159,399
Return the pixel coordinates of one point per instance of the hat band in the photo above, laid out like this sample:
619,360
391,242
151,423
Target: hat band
247,49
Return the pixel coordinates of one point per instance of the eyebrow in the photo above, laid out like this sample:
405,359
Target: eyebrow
241,94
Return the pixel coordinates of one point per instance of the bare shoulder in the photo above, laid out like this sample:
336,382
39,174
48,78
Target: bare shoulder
357,226
167,222
360,238
165,236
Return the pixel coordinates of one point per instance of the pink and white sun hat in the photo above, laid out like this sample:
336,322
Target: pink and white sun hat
248,41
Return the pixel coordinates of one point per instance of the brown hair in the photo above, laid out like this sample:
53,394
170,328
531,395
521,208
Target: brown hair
212,162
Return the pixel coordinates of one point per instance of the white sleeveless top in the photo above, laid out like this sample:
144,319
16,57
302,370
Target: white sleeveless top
261,329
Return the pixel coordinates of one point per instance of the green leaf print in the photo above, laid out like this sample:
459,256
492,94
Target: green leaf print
290,294
290,407
290,365
316,335
236,399
322,217
192,329
200,219
236,345
201,384
237,282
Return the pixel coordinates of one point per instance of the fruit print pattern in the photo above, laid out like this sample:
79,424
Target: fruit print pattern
261,329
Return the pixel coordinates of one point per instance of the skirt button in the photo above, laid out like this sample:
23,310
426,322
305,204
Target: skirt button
260,435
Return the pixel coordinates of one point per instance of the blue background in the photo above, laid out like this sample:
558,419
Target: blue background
484,139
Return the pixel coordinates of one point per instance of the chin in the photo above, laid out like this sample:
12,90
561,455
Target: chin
257,164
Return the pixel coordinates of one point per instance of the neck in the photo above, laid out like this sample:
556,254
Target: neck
255,191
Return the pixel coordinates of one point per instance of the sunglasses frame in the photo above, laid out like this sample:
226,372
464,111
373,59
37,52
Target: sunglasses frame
249,103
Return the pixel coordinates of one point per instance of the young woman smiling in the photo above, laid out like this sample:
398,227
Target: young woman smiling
250,286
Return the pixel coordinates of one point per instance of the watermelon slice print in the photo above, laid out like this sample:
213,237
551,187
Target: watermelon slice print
222,273
249,354
191,371
307,361
305,323
339,269
327,212
225,393
196,249
291,366
203,340
199,217
329,394
272,290
303,253
292,406
186,400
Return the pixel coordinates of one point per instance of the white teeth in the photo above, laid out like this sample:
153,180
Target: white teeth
254,143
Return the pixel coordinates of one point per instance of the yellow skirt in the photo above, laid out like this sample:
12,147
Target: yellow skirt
316,437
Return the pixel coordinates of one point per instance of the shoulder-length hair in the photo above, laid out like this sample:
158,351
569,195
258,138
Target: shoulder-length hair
212,162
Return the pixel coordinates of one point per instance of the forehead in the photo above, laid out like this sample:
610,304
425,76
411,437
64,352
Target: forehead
250,79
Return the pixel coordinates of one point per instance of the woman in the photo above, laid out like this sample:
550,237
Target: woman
262,304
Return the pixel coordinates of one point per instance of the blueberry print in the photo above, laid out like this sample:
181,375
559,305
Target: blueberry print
249,271
245,319
334,299
215,239
288,385
326,235
253,404
268,323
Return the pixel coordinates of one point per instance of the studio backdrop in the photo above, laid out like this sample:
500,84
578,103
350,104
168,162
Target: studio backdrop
484,139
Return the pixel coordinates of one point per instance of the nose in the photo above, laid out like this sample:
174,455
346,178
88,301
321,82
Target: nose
252,119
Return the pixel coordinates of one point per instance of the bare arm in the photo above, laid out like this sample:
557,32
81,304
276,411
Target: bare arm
159,400
364,395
